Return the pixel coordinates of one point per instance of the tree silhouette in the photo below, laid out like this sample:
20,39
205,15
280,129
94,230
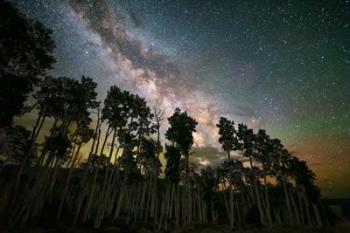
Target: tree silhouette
180,132
209,181
25,55
172,169
127,160
227,137
68,101
117,113
148,156
15,144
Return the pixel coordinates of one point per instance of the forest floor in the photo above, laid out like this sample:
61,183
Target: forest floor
188,229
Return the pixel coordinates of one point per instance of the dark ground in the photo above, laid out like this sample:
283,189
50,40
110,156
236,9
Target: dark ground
188,229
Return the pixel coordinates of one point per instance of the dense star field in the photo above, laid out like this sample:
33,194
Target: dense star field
279,65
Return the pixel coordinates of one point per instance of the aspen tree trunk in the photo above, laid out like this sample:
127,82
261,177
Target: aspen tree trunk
317,215
102,195
295,207
267,205
278,216
32,202
33,138
72,152
111,178
245,205
35,133
123,191
65,191
155,203
238,212
98,141
288,202
90,196
168,203
83,186
177,207
36,126
52,183
108,132
163,207
228,207
114,192
140,200
213,219
307,208
257,192
97,132
258,201
302,218
172,200
232,208
149,196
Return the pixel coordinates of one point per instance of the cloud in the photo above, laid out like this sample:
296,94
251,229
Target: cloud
210,156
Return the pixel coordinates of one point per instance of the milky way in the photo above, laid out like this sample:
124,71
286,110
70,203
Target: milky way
149,73
279,65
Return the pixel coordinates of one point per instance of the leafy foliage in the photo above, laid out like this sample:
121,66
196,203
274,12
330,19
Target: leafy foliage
24,57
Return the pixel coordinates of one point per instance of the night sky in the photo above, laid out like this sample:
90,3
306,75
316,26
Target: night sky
279,65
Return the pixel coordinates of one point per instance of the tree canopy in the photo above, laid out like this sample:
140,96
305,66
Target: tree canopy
26,53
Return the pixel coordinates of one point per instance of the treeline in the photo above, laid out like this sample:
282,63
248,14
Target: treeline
120,177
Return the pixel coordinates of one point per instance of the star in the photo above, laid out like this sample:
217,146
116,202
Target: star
280,67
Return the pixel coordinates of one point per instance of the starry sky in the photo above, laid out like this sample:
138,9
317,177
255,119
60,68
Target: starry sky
279,65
